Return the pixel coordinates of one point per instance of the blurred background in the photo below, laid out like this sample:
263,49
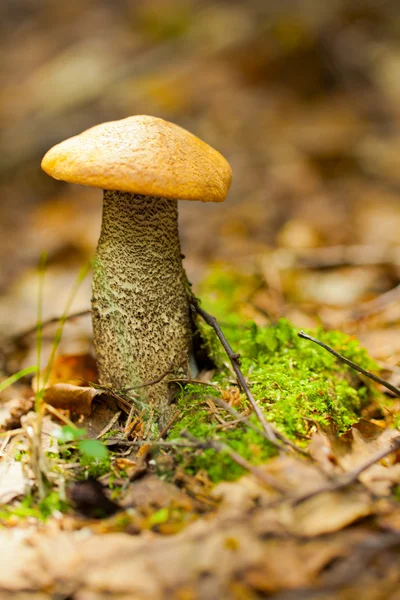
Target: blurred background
301,96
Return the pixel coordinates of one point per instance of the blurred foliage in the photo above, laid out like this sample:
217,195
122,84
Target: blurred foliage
301,97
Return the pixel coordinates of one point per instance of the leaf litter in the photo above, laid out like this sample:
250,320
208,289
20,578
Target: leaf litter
284,525
239,538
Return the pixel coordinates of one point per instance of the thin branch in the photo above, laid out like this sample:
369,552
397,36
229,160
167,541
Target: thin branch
352,476
129,421
153,382
351,364
168,426
238,459
56,413
246,421
150,443
197,381
235,361
109,425
4,444
12,432
355,473
335,256
161,377
122,402
20,336
376,305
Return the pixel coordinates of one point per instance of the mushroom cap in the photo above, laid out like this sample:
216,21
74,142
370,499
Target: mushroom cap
142,155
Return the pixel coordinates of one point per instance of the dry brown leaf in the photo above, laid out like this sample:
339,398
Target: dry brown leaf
12,411
293,564
67,385
76,369
208,557
321,450
360,444
325,513
67,396
12,480
152,492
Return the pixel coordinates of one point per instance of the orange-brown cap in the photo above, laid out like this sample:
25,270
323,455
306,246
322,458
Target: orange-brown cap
143,155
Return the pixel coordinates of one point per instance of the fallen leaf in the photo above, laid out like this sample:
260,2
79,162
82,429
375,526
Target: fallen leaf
153,492
360,444
12,411
12,480
67,396
75,369
326,512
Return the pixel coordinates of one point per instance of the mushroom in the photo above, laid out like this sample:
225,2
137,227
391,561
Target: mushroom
140,305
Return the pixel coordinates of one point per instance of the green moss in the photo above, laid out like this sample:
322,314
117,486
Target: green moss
30,508
94,468
296,380
200,422
296,383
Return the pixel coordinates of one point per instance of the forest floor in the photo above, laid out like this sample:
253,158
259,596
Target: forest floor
303,501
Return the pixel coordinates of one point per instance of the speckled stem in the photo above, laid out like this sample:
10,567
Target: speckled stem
140,307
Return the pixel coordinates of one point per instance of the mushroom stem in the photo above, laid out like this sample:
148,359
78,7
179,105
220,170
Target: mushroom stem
140,305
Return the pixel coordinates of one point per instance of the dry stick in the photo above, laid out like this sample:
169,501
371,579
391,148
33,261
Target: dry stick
376,305
153,382
335,256
59,415
251,425
197,381
161,377
109,425
168,426
235,358
129,420
4,444
350,363
153,443
238,459
351,476
20,336
12,432
141,466
121,401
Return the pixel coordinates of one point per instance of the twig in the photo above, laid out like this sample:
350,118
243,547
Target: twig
251,425
197,381
351,364
129,420
59,415
168,426
335,256
5,444
272,436
122,402
153,382
109,424
238,459
20,336
352,476
155,443
376,305
12,433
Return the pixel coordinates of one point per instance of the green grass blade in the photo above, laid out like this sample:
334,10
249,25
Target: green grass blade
10,380
57,337
39,319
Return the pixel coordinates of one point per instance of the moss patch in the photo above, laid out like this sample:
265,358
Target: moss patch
199,420
297,384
